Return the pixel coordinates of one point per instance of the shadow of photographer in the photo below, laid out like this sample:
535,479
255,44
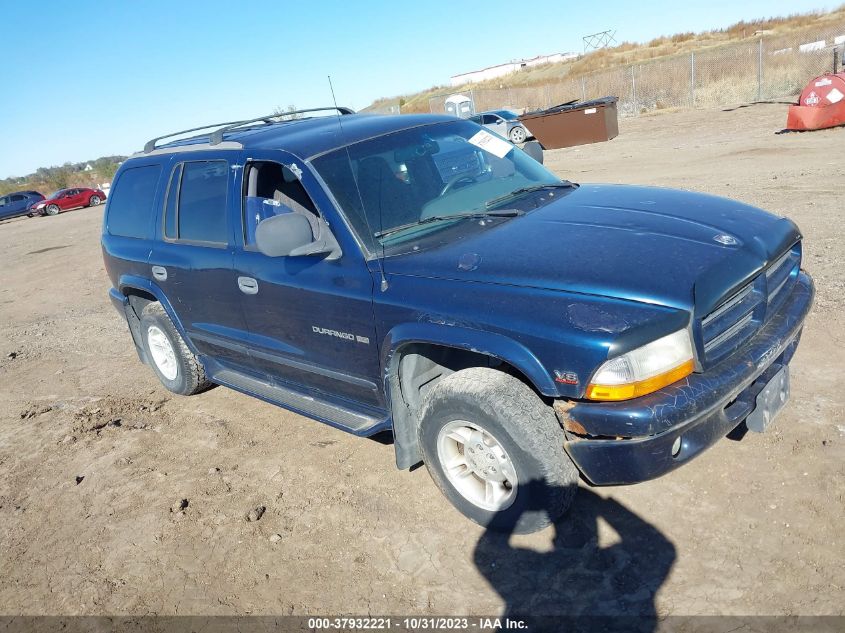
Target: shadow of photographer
591,586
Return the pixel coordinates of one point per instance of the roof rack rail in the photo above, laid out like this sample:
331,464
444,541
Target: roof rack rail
151,144
216,137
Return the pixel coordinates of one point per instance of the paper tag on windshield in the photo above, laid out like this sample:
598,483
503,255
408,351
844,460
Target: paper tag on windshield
489,143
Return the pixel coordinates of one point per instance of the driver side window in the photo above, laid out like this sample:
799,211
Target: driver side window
271,189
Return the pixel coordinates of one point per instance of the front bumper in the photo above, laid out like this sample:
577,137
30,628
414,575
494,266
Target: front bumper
700,409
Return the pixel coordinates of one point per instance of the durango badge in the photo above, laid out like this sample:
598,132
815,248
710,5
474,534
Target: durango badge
344,335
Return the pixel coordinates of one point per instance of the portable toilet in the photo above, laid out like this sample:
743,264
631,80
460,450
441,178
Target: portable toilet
460,106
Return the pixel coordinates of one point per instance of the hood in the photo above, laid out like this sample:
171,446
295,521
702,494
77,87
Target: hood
674,248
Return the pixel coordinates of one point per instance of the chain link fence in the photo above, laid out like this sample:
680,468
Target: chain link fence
769,68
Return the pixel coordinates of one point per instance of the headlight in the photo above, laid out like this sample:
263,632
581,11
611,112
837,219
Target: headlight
644,370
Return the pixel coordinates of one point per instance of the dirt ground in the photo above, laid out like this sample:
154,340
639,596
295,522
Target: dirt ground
96,457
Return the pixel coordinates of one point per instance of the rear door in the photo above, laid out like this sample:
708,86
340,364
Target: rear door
310,319
192,257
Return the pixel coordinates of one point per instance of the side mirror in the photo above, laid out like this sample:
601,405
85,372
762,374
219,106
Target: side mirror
290,235
534,150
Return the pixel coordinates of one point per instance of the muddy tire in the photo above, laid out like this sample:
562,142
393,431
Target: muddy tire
176,366
495,450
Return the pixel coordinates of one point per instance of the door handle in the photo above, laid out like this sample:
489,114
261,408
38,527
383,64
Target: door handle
248,285
160,273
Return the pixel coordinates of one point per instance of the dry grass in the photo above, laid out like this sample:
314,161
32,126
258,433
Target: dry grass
555,83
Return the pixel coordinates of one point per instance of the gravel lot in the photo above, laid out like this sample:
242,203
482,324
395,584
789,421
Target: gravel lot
96,458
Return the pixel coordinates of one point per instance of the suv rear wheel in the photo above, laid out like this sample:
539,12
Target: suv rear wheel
176,366
495,449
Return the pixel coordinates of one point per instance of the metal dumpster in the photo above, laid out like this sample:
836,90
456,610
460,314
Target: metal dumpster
575,123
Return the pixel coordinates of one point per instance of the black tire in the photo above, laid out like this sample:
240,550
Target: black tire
52,209
525,427
190,375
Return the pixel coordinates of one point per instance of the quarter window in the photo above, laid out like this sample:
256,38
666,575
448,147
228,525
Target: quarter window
131,203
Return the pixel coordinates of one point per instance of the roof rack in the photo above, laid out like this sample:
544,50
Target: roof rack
216,137
151,144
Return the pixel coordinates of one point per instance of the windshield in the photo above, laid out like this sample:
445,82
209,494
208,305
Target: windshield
507,115
56,194
400,186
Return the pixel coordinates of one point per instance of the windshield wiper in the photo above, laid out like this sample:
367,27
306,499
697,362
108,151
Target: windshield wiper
499,213
522,190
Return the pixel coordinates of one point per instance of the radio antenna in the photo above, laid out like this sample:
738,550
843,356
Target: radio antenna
379,261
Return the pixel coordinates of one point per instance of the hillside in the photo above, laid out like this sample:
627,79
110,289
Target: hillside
664,47
48,179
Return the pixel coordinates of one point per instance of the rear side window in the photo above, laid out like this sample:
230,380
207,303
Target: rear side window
131,203
195,210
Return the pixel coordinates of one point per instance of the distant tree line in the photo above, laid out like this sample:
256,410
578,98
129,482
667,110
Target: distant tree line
49,179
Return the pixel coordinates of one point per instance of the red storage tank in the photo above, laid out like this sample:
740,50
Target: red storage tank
821,105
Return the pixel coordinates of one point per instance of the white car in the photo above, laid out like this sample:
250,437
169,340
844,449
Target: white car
504,123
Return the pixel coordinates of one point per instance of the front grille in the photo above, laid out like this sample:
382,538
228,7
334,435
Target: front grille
734,330
737,318
780,275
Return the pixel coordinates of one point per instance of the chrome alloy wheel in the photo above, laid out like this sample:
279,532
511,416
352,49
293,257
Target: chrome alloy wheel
162,352
477,465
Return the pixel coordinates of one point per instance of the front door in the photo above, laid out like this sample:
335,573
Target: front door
310,319
496,124
192,259
73,200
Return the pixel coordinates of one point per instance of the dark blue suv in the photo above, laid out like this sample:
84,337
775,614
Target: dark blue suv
420,275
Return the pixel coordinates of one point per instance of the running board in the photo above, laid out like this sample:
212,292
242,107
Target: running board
335,415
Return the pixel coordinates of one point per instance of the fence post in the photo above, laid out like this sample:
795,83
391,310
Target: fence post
692,80
760,70
583,88
634,89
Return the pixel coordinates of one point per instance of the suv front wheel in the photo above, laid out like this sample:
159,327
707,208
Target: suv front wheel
495,449
176,366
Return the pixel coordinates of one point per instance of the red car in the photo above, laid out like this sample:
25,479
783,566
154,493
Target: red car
65,199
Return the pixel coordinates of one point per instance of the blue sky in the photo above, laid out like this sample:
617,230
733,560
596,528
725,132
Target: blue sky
85,79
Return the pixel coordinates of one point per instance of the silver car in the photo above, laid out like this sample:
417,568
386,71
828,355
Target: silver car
504,123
